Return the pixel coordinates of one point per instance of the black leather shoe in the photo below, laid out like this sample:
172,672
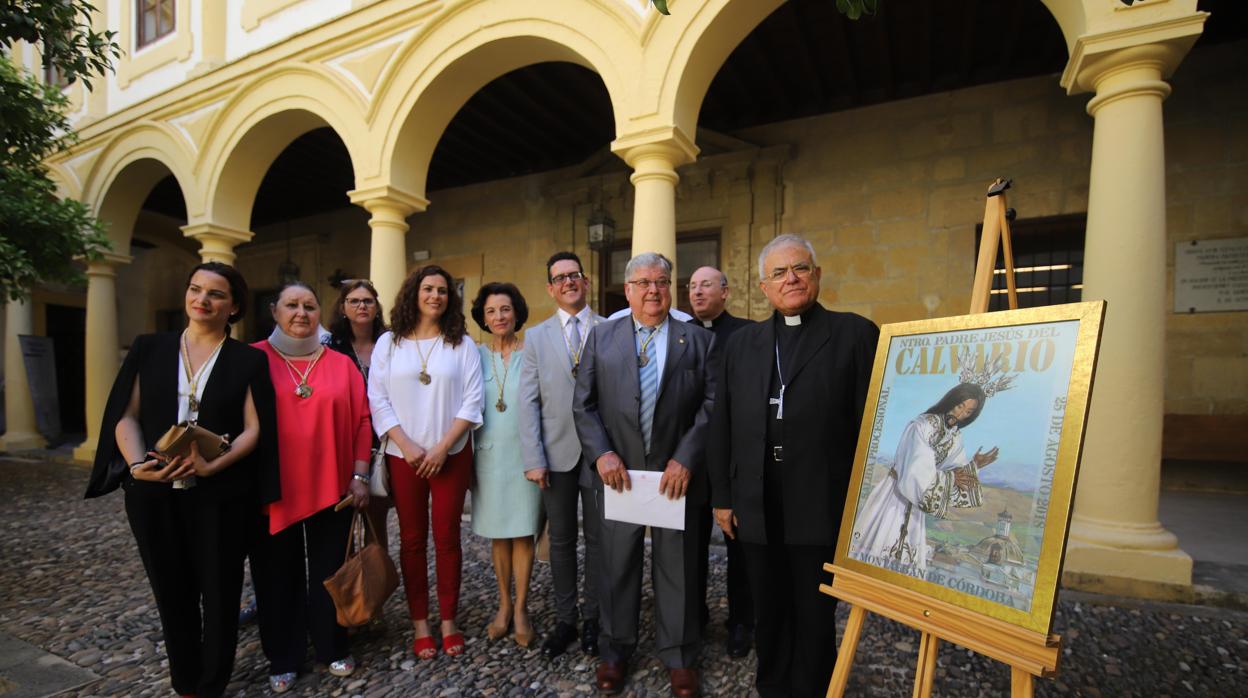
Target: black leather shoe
589,638
740,638
557,642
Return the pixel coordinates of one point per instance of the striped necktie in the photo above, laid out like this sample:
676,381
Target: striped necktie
649,375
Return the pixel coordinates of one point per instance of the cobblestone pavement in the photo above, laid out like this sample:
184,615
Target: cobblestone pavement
73,585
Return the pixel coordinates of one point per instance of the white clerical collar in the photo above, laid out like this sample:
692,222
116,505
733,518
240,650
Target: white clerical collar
708,323
792,320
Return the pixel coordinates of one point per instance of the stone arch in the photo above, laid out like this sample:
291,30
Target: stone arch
126,171
259,122
458,53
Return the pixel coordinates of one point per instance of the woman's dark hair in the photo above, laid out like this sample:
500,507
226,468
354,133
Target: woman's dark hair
296,284
518,305
238,285
956,396
340,328
405,315
559,257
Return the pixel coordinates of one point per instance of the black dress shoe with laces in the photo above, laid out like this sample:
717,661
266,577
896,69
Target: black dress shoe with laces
739,641
589,638
557,642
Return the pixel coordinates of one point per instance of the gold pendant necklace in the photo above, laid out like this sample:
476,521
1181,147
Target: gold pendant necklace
302,389
642,357
192,379
424,376
501,405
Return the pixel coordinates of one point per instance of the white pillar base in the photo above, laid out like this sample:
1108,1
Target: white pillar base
22,441
85,452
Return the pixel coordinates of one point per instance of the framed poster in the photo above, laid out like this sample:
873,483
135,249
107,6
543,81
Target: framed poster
965,471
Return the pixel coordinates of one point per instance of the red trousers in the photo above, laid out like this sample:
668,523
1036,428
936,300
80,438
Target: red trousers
411,494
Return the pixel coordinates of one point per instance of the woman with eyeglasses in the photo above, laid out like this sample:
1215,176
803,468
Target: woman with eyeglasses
424,387
505,506
357,325
324,433
192,517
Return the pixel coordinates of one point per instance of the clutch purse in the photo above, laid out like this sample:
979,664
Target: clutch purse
379,478
177,441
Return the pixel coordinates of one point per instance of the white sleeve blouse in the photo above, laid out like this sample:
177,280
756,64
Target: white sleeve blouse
425,412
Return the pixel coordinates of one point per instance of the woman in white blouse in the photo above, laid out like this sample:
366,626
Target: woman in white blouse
424,389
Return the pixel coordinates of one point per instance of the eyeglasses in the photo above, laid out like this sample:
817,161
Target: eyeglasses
570,276
645,284
801,270
706,285
358,302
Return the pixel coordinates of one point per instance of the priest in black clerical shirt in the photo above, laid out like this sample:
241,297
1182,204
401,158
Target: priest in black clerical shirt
708,293
781,448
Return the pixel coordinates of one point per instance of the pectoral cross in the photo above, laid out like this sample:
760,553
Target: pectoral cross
779,403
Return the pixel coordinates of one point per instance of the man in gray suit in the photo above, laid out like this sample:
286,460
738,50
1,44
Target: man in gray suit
552,452
643,400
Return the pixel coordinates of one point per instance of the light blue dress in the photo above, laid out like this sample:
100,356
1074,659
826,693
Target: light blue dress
504,504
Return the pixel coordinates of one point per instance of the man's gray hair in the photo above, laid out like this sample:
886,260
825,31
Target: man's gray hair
783,241
648,260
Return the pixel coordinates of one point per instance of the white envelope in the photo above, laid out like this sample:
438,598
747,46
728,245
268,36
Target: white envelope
643,505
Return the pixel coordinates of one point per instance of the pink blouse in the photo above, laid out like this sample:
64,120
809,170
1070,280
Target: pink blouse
319,437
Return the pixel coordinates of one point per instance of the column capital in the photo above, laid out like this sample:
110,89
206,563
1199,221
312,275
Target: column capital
1160,46
217,242
667,143
384,196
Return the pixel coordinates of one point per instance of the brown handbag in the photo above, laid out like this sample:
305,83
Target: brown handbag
366,579
177,441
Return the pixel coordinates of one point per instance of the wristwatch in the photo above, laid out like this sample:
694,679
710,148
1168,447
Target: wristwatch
361,477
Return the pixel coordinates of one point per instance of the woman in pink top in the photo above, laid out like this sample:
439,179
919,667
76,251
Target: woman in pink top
324,434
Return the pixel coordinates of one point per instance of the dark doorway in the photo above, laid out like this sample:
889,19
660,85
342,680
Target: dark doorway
67,328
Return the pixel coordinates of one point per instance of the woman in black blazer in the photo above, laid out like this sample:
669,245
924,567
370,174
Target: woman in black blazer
191,518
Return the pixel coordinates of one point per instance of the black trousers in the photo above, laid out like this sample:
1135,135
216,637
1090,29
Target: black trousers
795,636
740,602
560,502
290,605
193,545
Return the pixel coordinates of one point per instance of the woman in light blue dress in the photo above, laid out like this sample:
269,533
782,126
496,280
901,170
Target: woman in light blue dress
505,506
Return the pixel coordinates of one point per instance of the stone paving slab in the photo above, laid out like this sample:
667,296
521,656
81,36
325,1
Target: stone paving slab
27,671
73,586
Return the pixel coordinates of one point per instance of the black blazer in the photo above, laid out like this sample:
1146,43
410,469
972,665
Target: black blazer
153,358
607,400
823,405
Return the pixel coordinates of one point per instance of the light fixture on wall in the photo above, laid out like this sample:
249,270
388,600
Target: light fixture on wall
600,228
287,271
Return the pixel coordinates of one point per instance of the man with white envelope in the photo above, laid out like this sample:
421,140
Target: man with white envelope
642,403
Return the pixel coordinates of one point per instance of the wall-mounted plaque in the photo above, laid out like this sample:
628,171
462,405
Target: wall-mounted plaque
1211,276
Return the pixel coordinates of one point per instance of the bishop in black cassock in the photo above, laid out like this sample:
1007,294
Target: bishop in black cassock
781,448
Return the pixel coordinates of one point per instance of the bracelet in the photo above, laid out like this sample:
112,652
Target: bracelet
361,477
136,465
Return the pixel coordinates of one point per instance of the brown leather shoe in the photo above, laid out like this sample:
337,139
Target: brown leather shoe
684,682
610,677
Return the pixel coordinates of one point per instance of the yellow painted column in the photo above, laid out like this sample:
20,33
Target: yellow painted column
21,432
217,242
388,209
1116,541
654,157
102,345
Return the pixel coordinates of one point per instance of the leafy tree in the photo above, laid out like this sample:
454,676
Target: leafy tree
41,234
850,8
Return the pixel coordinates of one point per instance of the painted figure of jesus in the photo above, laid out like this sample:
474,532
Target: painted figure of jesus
930,475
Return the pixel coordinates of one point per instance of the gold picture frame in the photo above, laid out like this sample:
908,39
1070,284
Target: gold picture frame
921,507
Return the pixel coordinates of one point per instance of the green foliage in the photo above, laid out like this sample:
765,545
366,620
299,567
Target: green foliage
40,234
850,8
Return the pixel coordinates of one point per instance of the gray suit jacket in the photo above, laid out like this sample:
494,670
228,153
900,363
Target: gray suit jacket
547,435
607,405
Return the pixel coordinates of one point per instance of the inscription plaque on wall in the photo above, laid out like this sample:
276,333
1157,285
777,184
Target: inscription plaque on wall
1211,276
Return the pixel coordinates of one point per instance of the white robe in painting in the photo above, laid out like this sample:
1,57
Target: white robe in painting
890,529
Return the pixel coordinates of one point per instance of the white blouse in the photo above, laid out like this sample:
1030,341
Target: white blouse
184,386
425,412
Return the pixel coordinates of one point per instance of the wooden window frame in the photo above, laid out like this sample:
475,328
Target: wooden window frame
1048,261
140,37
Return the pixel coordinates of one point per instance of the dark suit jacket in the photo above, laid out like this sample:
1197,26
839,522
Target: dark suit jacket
153,359
823,406
607,403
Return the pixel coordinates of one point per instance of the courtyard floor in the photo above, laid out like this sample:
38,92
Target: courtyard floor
73,587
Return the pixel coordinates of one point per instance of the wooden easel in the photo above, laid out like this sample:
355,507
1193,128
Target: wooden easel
1028,653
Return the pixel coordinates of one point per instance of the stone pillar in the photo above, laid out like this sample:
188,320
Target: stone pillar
388,209
102,345
1116,542
19,409
654,157
217,242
